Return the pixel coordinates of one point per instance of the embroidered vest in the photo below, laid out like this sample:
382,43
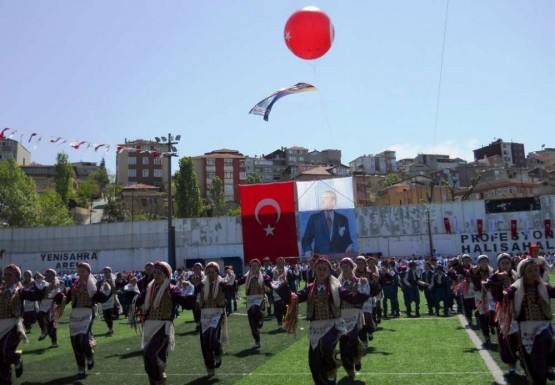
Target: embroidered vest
219,301
165,310
319,308
534,308
80,296
254,287
10,304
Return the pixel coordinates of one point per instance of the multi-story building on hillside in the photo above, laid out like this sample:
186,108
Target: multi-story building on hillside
511,153
380,164
13,150
228,165
139,162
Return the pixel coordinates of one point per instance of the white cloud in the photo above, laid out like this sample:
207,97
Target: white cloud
449,147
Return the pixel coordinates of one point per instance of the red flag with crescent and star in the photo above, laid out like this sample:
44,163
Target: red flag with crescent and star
268,216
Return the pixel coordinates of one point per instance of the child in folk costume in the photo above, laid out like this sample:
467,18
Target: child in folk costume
196,278
441,287
212,317
467,287
366,333
12,295
109,308
83,295
30,308
484,301
49,311
147,277
501,279
279,304
256,284
528,302
157,304
377,299
350,345
323,298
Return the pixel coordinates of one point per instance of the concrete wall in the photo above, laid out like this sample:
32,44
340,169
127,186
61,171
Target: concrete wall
394,231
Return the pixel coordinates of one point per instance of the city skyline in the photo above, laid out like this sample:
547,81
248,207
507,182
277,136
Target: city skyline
138,70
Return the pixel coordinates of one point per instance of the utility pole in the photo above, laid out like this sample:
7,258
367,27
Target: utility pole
172,151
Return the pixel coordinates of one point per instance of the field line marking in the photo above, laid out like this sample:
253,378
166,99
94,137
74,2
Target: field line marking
495,370
270,374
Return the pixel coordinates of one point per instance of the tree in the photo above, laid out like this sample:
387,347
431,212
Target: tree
100,177
86,192
116,211
52,211
63,177
234,211
217,197
18,197
187,192
391,179
254,178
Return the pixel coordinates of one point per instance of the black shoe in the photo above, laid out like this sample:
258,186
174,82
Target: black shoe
358,366
90,364
19,369
81,375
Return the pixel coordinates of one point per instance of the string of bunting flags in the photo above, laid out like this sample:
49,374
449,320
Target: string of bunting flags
36,138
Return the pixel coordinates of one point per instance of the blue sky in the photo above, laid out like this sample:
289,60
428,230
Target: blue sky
106,71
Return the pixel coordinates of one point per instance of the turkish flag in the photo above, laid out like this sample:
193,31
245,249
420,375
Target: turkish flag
514,228
268,216
480,226
447,225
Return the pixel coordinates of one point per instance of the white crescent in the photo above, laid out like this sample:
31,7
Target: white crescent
267,202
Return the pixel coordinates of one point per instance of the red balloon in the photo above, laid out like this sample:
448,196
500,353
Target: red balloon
309,33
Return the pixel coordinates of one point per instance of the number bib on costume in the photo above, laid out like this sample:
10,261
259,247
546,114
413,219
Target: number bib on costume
210,318
80,320
254,300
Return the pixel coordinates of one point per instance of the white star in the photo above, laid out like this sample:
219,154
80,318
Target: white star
287,35
269,230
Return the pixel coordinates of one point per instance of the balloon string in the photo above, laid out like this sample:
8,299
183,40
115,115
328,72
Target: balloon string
440,75
322,103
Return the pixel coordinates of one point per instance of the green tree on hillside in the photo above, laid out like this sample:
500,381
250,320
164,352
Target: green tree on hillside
52,212
18,197
254,178
217,196
62,179
189,202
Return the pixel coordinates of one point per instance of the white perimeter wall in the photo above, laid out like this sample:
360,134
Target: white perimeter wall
394,231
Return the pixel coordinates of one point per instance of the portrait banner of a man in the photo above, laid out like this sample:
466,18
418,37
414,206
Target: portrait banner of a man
327,217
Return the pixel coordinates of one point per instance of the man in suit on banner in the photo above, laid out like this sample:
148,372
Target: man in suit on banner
327,231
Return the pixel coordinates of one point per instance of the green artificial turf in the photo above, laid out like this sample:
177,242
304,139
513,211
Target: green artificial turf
417,351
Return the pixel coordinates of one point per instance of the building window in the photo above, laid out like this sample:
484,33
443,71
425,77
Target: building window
242,175
210,162
228,188
131,173
132,160
145,160
158,173
228,162
292,158
241,163
157,161
145,173
228,175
